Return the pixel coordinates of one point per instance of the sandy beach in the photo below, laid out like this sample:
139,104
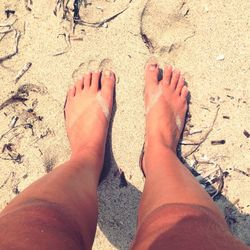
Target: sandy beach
45,46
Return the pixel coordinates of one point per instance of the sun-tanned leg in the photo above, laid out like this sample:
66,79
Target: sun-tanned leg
167,180
59,211
175,212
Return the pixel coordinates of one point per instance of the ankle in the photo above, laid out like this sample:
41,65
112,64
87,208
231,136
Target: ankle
160,145
87,156
155,156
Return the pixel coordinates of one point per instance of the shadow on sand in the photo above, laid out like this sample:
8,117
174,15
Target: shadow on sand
118,205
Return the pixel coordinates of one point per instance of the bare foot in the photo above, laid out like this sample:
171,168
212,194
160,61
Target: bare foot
87,111
166,107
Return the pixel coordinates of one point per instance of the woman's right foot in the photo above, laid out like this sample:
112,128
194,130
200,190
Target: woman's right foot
166,107
87,112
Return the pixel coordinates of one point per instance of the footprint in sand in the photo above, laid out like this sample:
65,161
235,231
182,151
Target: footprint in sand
92,65
83,68
165,26
106,64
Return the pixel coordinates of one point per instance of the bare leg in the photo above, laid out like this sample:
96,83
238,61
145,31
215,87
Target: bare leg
171,194
59,211
167,180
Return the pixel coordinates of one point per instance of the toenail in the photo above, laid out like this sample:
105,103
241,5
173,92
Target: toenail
152,66
107,73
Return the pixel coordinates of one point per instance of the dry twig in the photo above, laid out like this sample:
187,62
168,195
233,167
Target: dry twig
18,97
144,37
10,175
28,4
241,172
9,22
3,33
203,138
202,161
67,40
62,4
12,100
15,158
77,19
7,30
221,184
218,142
15,48
23,71
10,130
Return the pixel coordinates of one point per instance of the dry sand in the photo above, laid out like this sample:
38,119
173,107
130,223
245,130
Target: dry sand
207,40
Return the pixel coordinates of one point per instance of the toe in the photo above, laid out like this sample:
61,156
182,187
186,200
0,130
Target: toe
95,80
167,74
180,85
184,93
78,85
107,84
175,78
151,74
87,81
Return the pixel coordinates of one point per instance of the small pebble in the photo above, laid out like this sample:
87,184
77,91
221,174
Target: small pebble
206,9
220,57
247,134
184,10
105,25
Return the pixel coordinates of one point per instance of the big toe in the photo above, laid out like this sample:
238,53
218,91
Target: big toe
151,74
107,84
